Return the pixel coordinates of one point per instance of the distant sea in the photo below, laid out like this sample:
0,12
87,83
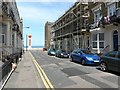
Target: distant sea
36,46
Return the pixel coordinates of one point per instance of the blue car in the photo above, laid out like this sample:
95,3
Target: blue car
85,57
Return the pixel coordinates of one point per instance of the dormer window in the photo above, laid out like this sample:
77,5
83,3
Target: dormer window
111,9
97,13
97,16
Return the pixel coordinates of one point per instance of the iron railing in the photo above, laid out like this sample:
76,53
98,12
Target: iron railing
7,59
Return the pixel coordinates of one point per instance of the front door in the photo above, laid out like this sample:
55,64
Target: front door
115,40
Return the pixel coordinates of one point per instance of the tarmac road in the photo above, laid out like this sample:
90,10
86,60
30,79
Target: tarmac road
65,74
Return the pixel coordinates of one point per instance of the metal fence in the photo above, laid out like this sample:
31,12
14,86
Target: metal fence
6,60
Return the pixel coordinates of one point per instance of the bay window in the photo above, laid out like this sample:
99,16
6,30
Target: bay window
98,40
111,9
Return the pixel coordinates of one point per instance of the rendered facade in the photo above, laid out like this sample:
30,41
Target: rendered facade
10,31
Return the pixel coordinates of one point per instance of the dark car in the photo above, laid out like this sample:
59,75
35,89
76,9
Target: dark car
44,49
110,61
51,51
85,57
62,53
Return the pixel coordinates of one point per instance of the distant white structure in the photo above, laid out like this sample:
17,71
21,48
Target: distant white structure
29,41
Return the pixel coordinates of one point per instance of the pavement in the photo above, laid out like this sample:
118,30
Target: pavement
25,75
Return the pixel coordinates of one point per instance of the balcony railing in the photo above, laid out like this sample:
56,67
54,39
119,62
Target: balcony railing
109,20
15,27
94,25
5,8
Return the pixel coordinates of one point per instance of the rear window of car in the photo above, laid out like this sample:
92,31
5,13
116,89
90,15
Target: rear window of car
87,52
63,51
119,55
112,54
75,51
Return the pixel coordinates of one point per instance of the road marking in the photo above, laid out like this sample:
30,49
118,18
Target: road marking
44,77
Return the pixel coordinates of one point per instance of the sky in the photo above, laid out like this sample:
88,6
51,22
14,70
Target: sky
36,13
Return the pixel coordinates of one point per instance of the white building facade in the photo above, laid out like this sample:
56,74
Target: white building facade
106,37
11,29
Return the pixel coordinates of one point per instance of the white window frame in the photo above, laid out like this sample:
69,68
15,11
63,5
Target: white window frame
96,19
101,40
111,7
94,41
98,42
96,9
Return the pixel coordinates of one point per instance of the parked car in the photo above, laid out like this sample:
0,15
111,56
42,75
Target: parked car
85,57
44,49
110,61
62,53
51,51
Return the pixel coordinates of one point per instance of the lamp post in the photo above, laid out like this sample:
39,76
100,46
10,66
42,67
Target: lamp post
26,36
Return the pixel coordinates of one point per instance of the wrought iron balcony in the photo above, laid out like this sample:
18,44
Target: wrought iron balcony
114,19
5,8
15,27
94,25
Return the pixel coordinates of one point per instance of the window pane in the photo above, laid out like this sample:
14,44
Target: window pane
94,37
101,36
94,44
101,44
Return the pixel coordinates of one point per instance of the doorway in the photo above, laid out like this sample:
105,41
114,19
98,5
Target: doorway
115,40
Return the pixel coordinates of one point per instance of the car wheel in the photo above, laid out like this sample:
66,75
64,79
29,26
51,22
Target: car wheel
83,62
103,66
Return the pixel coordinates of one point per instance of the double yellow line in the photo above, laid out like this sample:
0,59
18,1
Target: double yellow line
44,77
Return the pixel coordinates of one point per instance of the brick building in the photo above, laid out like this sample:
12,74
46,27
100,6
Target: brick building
48,36
83,26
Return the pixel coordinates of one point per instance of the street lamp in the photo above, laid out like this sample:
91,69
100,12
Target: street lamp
26,36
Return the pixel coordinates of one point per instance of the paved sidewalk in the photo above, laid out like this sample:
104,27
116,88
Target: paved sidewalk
25,75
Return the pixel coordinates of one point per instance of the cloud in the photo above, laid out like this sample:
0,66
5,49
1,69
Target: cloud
41,14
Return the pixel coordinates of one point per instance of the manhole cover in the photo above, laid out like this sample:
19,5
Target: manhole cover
73,71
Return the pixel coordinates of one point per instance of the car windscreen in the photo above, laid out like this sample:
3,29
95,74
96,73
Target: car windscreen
63,51
87,52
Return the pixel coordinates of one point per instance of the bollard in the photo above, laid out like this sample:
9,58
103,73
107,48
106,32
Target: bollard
14,66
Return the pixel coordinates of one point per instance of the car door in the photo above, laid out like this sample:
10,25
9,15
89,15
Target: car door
112,60
75,55
79,55
118,62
